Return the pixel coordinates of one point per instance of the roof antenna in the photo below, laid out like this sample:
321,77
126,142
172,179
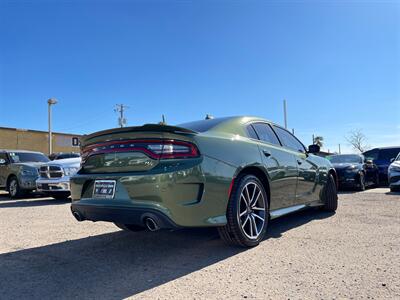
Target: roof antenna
163,122
209,117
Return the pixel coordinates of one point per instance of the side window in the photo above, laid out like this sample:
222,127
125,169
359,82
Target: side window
251,132
371,154
288,140
265,133
3,156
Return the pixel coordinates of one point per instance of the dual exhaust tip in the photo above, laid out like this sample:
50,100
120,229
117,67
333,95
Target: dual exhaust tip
150,223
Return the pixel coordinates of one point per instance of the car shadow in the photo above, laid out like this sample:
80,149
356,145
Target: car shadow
30,203
393,193
121,264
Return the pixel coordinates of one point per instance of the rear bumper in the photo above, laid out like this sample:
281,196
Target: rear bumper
188,195
124,215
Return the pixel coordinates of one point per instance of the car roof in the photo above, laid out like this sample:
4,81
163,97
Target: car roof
22,151
226,121
384,148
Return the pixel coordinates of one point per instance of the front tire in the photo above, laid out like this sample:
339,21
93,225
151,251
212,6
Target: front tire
13,188
247,213
329,195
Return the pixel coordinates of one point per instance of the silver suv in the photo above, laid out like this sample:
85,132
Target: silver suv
54,177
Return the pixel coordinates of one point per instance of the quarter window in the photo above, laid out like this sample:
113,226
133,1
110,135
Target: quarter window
288,140
251,132
265,133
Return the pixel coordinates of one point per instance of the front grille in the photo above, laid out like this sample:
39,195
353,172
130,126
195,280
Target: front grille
51,172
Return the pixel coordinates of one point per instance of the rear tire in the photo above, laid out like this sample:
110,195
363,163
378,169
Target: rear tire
329,195
247,213
129,227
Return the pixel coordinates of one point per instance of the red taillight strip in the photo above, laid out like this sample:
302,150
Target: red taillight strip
193,151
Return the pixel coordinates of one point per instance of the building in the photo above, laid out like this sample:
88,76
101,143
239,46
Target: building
35,140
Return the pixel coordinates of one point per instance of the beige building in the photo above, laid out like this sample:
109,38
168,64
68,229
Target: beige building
35,140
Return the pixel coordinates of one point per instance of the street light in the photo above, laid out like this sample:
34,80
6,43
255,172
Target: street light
50,102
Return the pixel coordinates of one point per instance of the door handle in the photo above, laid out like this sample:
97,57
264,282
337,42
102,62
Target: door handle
267,153
299,162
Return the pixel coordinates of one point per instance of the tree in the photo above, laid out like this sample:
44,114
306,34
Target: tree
357,140
319,140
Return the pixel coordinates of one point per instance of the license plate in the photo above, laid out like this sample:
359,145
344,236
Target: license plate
104,189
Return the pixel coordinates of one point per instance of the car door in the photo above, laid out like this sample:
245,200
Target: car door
3,169
280,163
306,190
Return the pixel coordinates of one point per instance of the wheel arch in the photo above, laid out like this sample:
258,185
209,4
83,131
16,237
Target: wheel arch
9,178
334,175
260,173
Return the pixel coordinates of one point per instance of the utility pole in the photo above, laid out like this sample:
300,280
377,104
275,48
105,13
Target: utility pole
340,152
50,102
284,113
120,108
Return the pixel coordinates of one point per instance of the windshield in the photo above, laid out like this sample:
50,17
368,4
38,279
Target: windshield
18,157
348,158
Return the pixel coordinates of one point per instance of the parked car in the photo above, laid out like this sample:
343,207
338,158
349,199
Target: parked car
354,171
63,155
54,177
234,173
19,170
382,157
394,174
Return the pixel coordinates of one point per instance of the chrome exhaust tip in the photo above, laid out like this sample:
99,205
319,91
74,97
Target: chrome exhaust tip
78,216
151,224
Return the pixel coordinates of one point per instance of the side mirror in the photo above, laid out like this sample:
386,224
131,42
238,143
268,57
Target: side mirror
2,162
369,162
314,149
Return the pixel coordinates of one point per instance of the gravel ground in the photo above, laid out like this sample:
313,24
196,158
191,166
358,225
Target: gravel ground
355,253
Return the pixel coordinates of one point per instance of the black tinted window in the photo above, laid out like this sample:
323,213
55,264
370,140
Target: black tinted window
388,154
251,132
288,140
265,133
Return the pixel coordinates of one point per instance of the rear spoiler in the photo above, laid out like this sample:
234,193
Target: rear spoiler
144,128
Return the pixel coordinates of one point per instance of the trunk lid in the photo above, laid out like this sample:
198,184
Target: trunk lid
130,149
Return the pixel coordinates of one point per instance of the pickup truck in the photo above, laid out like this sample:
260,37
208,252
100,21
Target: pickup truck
54,177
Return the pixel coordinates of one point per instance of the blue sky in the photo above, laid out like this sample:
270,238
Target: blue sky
337,63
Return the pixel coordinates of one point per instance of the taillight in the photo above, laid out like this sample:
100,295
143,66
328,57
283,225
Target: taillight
156,149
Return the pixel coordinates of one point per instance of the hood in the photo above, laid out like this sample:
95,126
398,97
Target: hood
345,165
66,162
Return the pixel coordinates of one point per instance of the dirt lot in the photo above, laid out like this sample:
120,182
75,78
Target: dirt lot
45,253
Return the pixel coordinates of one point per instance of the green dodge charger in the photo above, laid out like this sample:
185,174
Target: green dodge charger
233,173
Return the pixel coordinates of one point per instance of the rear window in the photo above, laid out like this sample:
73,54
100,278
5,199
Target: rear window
203,125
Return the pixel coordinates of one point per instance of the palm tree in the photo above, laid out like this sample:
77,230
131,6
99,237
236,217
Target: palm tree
319,140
